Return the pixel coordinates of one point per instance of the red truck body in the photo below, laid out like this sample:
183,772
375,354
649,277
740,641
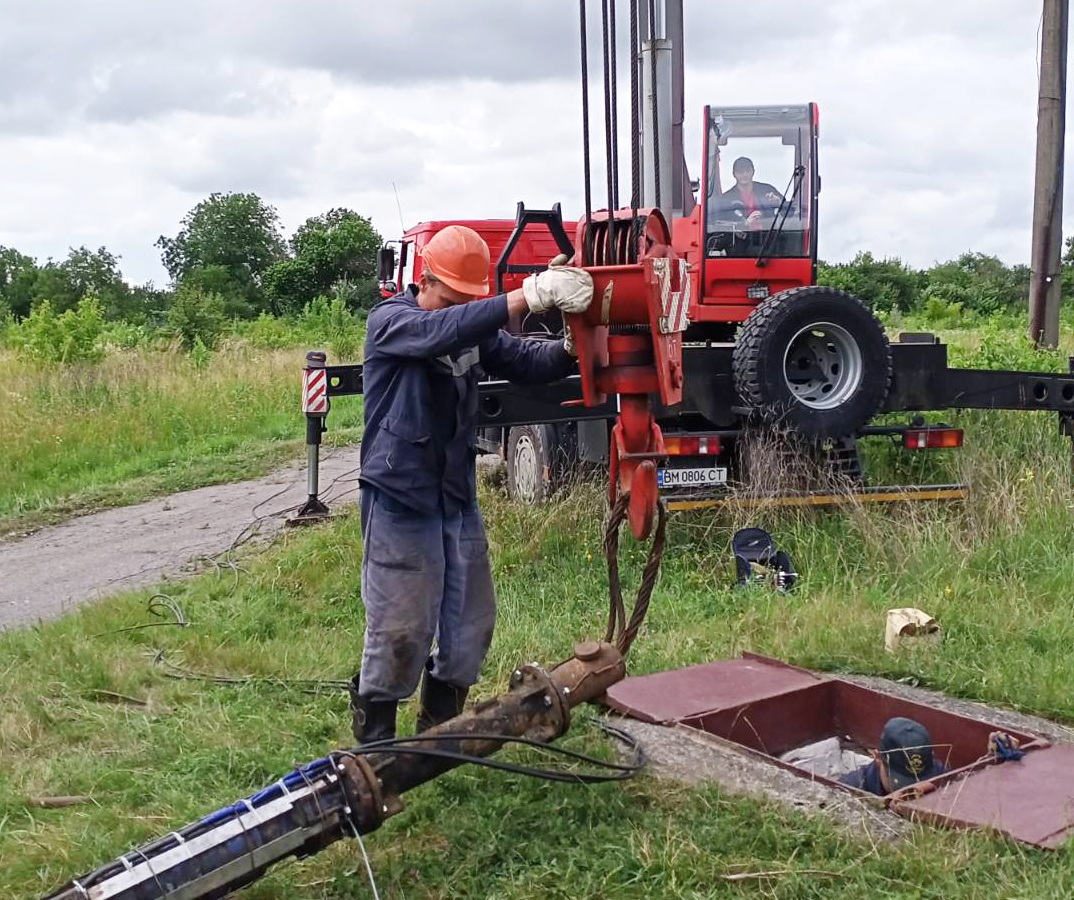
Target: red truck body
718,287
534,246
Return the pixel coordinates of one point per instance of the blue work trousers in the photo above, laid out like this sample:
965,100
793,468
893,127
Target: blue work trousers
425,578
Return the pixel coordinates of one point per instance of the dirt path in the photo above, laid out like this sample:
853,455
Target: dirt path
55,569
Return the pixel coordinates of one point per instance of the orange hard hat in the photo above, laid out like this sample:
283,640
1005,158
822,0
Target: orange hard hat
459,257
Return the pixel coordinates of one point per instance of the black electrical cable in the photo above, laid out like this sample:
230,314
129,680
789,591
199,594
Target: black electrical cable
308,685
619,771
159,605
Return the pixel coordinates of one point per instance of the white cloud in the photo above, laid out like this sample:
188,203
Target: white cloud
126,114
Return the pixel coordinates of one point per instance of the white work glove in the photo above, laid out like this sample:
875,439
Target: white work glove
561,259
565,288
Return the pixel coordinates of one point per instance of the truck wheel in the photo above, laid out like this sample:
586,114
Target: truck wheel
531,476
813,360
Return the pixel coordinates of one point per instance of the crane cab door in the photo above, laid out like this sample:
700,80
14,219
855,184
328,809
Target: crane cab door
759,212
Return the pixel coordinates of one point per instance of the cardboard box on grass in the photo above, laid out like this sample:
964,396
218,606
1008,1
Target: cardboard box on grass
910,627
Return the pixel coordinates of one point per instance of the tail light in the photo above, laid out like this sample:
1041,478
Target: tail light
692,445
932,438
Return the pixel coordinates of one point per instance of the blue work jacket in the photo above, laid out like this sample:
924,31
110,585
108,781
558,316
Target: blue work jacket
420,377
867,778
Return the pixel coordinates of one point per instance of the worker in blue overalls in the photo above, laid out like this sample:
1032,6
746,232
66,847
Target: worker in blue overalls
425,571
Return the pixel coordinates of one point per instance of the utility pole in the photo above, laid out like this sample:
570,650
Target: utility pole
1044,285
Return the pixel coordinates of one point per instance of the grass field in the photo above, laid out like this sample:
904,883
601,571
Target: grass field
84,710
995,573
145,422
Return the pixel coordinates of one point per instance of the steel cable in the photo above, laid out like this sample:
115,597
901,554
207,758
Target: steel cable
615,107
587,250
635,138
648,582
606,39
616,609
621,631
655,104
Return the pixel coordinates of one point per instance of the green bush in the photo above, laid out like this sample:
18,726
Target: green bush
328,321
289,284
360,294
885,284
975,282
979,283
235,287
7,322
200,355
268,332
1005,344
75,335
939,313
195,315
125,335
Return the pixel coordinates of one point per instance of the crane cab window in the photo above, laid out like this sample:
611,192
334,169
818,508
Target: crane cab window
759,181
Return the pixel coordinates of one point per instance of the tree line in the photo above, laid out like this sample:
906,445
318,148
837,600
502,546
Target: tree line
231,261
229,257
973,283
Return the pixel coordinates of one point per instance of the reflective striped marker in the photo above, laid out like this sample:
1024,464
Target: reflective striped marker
314,392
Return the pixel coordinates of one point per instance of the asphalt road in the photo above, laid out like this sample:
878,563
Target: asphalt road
58,568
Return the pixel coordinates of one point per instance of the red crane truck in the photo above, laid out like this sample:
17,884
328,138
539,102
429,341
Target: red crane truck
765,348
766,352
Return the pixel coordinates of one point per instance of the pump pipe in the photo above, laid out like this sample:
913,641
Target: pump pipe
347,793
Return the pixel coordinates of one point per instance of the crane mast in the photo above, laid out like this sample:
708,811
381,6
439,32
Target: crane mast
666,182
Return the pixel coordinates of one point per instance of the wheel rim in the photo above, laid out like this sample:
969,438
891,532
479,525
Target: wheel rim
822,367
526,468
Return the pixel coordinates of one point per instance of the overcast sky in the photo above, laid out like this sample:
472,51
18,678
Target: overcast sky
118,116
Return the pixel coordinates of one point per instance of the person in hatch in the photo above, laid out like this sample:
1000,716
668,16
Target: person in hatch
425,569
904,757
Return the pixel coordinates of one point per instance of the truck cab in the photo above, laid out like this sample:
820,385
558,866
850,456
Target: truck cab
530,252
755,232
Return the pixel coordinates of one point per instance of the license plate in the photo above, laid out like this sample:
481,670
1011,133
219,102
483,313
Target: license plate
691,477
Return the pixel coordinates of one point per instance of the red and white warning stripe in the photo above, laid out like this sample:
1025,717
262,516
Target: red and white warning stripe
675,304
314,391
679,317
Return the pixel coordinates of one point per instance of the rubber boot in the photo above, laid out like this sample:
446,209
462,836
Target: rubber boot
440,701
371,720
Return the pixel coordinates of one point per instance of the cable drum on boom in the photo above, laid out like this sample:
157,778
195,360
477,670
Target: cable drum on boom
622,240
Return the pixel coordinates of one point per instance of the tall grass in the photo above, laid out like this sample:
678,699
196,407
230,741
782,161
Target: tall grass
143,421
995,571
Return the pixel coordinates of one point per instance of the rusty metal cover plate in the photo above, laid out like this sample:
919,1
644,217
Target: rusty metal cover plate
1030,800
682,693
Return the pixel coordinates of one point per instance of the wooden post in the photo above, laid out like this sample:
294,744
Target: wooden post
1045,282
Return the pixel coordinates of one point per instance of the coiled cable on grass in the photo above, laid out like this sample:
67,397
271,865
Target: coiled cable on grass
159,605
308,685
